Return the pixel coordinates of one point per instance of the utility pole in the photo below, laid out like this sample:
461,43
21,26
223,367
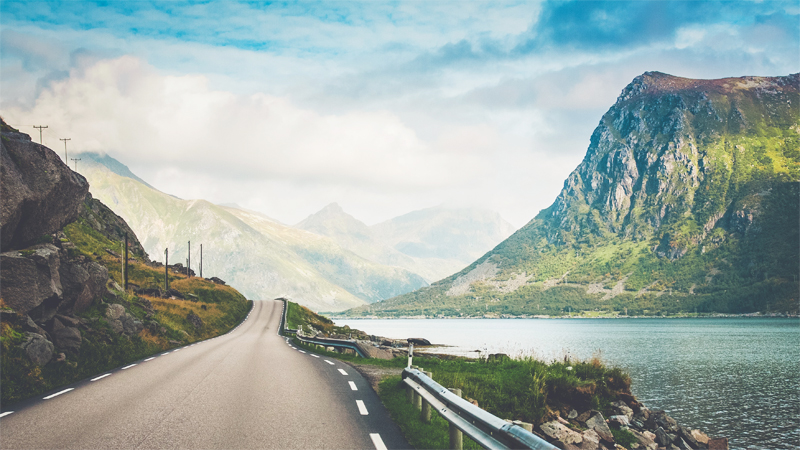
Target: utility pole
125,263
166,269
189,260
65,148
76,163
201,260
40,132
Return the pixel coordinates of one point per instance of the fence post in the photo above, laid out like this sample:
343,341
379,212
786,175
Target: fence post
456,438
426,407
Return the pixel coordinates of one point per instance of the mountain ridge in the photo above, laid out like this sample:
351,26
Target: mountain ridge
686,198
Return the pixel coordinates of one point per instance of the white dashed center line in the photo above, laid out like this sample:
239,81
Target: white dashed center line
58,393
301,351
150,358
341,371
6,413
361,408
315,356
377,441
128,367
352,385
330,362
100,377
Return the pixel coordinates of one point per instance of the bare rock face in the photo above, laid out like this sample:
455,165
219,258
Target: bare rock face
82,284
65,337
40,193
31,278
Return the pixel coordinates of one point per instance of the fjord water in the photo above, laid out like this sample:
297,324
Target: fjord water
730,377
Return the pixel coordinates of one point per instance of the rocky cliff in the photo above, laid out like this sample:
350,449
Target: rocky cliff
63,314
686,200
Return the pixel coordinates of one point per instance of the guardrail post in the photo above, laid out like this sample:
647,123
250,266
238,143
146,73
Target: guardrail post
418,401
456,438
426,407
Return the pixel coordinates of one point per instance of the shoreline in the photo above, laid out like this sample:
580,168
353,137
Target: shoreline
547,317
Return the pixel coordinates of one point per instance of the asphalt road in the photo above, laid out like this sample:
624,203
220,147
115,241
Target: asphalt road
246,389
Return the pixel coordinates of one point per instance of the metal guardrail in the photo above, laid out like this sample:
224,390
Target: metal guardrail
338,343
487,430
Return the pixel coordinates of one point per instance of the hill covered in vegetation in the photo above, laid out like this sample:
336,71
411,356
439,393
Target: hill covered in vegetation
65,313
686,200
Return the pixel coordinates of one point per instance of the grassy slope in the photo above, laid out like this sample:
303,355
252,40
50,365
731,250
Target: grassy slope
220,308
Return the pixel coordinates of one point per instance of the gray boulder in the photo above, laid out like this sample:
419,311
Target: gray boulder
663,438
65,337
38,349
116,326
557,431
30,279
594,420
40,193
83,284
131,325
114,311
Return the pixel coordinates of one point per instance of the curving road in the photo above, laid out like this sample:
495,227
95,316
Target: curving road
246,389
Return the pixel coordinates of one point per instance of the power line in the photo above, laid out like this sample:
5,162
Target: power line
40,132
65,148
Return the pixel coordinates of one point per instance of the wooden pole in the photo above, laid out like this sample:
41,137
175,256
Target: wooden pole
456,438
125,263
166,270
201,260
189,260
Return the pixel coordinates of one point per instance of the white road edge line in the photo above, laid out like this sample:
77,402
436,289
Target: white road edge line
341,371
58,393
128,367
6,413
330,362
377,441
362,408
150,358
352,385
100,377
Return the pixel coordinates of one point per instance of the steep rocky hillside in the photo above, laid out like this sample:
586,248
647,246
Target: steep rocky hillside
686,200
64,311
433,243
263,258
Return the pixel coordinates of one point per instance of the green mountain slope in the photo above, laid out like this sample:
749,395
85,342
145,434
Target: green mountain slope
687,200
262,258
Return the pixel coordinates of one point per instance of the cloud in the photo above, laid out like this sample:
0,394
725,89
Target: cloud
127,108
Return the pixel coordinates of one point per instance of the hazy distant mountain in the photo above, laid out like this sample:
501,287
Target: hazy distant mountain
433,242
260,257
459,234
687,200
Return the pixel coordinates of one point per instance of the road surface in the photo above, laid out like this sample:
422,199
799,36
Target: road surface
247,389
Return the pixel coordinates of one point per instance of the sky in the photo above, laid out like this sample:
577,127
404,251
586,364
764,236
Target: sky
382,107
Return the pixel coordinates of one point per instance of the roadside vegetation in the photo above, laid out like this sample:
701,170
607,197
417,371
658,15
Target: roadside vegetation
166,325
523,389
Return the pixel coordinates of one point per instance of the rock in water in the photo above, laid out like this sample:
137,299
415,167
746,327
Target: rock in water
40,193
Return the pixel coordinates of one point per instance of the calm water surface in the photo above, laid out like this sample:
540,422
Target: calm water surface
737,378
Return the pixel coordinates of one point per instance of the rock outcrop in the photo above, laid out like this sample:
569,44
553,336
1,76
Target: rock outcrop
40,193
652,430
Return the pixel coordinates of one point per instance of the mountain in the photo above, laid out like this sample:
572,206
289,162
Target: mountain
261,257
687,200
433,243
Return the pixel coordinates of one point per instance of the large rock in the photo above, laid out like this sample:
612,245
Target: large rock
38,349
659,418
131,325
114,311
65,337
374,352
30,278
83,284
594,420
644,440
557,431
40,193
